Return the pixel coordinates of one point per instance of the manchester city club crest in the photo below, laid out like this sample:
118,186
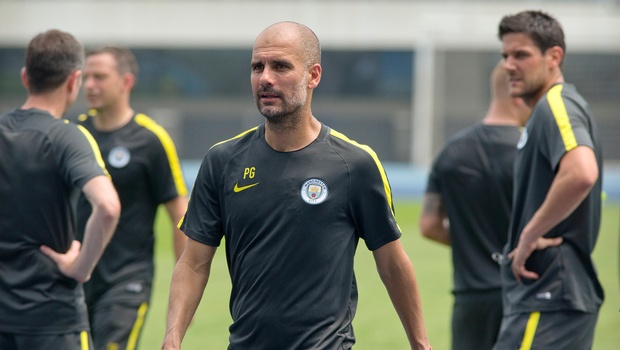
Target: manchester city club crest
119,156
314,191
522,139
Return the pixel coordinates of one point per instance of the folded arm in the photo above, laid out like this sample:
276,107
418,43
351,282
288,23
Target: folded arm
577,174
79,262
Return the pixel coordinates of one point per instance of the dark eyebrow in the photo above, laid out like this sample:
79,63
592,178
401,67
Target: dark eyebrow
276,62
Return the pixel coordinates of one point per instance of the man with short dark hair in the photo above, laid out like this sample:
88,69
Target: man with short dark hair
44,163
146,172
551,291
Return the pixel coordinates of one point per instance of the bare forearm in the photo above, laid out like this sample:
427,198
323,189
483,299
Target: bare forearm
405,297
186,290
576,175
434,223
397,274
100,225
180,239
568,190
435,229
189,280
97,234
176,209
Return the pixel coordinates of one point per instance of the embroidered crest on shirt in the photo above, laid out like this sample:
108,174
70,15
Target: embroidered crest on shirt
119,157
314,191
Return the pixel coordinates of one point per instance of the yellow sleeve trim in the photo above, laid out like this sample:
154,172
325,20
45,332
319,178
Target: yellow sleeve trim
95,147
373,155
180,223
554,97
171,152
236,137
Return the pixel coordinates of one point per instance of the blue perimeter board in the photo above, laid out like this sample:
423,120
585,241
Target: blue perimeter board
409,181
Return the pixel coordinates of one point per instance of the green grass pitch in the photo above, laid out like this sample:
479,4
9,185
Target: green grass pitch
376,323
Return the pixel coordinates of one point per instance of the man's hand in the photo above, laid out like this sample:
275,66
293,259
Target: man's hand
65,261
523,251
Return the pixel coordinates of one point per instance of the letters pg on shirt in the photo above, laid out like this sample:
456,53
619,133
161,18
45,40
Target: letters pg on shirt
314,191
247,173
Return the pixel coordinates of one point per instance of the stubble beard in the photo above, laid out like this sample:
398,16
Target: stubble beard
531,88
529,92
287,115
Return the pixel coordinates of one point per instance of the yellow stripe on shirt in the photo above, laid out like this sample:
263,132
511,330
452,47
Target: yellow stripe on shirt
554,97
95,147
219,143
236,137
166,141
373,155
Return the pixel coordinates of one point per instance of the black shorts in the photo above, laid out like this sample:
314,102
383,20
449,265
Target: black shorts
68,341
566,330
476,318
117,317
118,326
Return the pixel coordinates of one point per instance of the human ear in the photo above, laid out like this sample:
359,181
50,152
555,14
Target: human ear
555,55
129,80
315,72
75,81
24,76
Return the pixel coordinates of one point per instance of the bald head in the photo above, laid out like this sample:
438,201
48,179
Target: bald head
295,34
500,82
504,109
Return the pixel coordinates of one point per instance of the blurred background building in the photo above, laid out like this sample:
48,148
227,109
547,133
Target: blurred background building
400,76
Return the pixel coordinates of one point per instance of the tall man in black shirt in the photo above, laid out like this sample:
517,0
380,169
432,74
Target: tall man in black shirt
552,294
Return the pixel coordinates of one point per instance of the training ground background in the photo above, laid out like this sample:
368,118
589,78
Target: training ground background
376,324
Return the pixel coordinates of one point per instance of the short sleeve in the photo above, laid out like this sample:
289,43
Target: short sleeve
77,154
568,126
371,202
203,220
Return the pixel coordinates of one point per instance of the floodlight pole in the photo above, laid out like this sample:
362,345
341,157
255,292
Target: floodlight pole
422,101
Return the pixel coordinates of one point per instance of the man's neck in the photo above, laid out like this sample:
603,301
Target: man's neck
501,115
109,119
557,78
292,138
49,102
